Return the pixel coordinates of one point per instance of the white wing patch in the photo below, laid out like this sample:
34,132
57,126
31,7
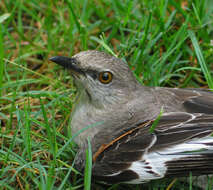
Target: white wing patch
153,164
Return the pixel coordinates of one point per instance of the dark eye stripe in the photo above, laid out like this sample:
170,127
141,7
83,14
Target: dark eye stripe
92,73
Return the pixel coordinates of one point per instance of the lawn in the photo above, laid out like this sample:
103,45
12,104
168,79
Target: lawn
165,42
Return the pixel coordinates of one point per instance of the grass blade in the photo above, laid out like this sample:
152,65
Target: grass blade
1,59
201,59
88,168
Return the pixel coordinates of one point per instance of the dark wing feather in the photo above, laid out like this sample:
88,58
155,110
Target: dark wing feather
197,165
202,104
114,163
123,152
194,100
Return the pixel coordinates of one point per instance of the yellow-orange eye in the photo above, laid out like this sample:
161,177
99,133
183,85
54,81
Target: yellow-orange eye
105,77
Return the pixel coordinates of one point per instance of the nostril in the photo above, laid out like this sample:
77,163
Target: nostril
73,61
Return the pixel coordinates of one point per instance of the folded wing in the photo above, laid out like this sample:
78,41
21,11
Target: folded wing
181,143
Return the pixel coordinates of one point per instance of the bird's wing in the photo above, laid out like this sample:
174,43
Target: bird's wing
193,100
180,143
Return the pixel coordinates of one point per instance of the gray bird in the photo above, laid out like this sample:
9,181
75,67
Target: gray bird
137,133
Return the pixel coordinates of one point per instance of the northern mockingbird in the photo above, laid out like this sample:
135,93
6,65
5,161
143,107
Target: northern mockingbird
128,143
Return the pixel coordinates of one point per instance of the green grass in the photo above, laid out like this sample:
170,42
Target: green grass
164,43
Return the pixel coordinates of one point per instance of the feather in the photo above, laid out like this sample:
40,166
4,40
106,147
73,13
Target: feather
181,143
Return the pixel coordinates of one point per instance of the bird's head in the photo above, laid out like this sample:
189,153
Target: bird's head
105,79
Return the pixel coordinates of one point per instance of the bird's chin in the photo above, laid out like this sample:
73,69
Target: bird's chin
78,83
76,78
75,74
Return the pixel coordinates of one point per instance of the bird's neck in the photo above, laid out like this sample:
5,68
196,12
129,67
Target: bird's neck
87,113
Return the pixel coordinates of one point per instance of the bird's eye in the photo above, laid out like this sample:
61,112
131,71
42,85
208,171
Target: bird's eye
105,77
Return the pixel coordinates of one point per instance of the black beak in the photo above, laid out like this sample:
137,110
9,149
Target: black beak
66,62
